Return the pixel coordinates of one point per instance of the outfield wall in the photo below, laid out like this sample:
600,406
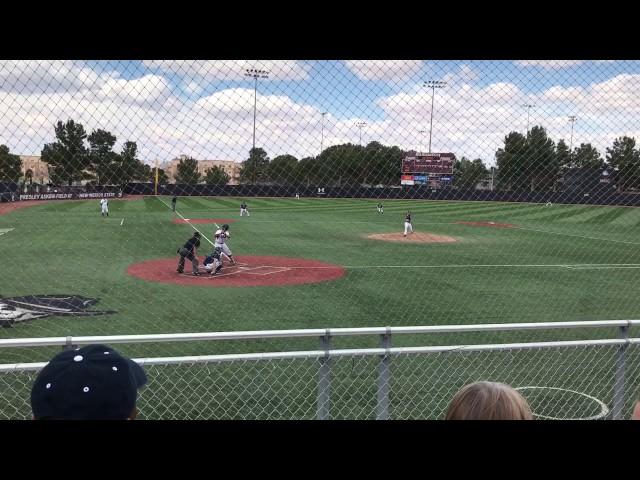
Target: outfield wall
600,196
604,195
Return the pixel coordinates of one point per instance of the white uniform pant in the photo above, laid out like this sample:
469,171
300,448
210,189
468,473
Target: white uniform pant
105,209
243,211
212,266
225,249
408,228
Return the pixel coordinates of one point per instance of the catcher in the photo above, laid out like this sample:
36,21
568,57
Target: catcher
213,262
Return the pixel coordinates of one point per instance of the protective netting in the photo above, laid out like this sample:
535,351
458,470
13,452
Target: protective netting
518,177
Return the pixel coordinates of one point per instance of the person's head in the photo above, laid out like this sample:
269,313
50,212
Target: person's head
488,401
90,383
225,227
196,234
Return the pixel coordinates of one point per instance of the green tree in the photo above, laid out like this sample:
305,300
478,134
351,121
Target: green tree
510,160
103,161
10,165
587,155
283,170
308,171
527,162
467,173
625,158
127,167
541,162
148,174
255,168
216,176
564,156
187,172
67,157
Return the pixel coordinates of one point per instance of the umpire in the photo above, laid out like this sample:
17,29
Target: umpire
189,251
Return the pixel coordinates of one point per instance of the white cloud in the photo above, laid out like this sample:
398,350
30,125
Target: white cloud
43,76
549,64
192,88
230,69
385,70
469,119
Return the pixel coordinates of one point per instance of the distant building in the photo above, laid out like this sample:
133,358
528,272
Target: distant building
39,169
230,167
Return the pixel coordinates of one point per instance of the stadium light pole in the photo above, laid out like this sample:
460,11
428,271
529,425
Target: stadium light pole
255,74
322,133
528,107
421,132
572,119
433,84
360,125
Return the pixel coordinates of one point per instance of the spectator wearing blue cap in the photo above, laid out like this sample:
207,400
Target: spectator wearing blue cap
91,383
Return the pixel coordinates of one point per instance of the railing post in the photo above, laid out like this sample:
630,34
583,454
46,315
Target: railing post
619,385
69,344
324,378
384,378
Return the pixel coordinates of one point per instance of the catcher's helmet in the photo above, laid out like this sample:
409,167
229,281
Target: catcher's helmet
225,227
196,234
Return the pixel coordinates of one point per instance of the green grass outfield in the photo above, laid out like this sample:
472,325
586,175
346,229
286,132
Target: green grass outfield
562,263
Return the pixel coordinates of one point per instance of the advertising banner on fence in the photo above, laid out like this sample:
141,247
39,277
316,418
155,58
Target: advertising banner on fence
70,196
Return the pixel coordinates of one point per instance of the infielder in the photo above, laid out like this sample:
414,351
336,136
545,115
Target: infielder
380,208
243,209
104,203
174,200
220,236
190,251
213,262
407,224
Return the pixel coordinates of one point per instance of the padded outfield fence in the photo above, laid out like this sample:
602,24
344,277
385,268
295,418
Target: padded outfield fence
577,379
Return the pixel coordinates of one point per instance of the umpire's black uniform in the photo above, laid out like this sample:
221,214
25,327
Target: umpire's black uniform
188,251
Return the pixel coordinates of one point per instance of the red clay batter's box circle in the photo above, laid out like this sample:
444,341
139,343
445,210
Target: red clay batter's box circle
251,271
488,224
219,221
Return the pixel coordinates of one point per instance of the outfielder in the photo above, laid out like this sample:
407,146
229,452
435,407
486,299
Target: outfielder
220,236
104,203
243,209
407,224
213,262
380,208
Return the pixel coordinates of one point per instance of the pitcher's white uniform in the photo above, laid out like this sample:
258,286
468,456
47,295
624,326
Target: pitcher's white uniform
104,203
407,224
220,236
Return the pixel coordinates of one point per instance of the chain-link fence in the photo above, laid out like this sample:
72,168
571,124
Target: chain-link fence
591,379
377,192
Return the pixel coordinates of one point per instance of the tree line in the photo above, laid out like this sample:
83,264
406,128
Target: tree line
530,161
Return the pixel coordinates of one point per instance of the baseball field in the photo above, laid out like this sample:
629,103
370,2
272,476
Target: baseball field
320,263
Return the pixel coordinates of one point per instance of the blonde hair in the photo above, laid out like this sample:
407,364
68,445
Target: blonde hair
488,401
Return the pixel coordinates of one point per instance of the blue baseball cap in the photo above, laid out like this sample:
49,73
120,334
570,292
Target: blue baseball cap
90,383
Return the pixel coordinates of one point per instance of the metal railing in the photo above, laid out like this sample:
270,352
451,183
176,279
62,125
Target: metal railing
607,367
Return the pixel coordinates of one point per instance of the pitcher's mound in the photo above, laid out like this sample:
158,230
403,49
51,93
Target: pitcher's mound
417,237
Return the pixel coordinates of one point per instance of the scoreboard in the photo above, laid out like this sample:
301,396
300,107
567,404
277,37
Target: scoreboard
429,163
